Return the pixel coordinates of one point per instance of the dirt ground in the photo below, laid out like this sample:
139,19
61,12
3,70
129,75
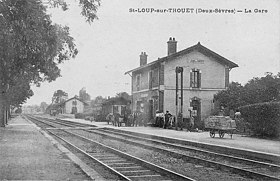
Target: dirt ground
26,154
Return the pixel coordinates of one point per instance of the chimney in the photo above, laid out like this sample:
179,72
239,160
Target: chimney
143,58
171,46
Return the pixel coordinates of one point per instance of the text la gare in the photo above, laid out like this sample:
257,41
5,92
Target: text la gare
256,11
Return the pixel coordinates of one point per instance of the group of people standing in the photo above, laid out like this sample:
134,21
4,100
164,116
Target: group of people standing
129,119
137,118
166,120
115,119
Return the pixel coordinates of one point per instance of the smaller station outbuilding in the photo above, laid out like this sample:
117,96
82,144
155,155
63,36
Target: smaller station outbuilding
115,105
73,105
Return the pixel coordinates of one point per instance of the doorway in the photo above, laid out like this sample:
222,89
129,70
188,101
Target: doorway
196,112
74,110
151,109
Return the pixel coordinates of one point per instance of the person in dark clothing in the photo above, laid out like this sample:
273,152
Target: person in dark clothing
139,118
126,118
136,117
117,119
130,119
166,119
133,119
180,121
159,119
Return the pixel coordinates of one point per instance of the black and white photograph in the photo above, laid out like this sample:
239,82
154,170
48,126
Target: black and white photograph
140,90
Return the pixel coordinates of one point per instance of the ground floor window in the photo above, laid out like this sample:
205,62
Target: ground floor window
119,109
115,109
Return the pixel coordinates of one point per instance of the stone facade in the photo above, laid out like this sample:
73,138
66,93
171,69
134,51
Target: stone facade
204,74
73,106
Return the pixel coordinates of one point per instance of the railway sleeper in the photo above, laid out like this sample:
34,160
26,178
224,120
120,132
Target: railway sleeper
206,163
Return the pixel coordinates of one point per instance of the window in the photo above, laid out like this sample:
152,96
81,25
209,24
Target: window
150,80
139,106
138,82
115,109
153,78
123,109
195,78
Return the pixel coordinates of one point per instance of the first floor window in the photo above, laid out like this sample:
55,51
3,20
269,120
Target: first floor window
138,83
150,80
195,78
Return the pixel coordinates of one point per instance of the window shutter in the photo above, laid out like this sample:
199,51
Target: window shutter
150,80
161,75
199,80
226,77
191,78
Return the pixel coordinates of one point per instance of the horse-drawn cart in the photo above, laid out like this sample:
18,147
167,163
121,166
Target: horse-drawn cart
220,125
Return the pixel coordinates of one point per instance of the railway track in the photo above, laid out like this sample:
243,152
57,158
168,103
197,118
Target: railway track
262,157
254,168
247,167
125,166
62,122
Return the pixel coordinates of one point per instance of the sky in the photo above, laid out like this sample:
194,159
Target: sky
111,45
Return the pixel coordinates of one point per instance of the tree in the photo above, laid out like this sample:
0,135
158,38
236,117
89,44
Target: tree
97,101
59,96
83,95
124,95
18,110
43,106
231,98
18,92
264,89
257,90
88,7
32,47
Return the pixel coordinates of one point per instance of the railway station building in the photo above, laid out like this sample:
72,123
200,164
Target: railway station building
204,73
73,105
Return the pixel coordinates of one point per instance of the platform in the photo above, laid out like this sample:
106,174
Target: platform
27,154
237,141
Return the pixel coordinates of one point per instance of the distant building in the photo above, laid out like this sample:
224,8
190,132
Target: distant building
115,105
204,74
72,106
